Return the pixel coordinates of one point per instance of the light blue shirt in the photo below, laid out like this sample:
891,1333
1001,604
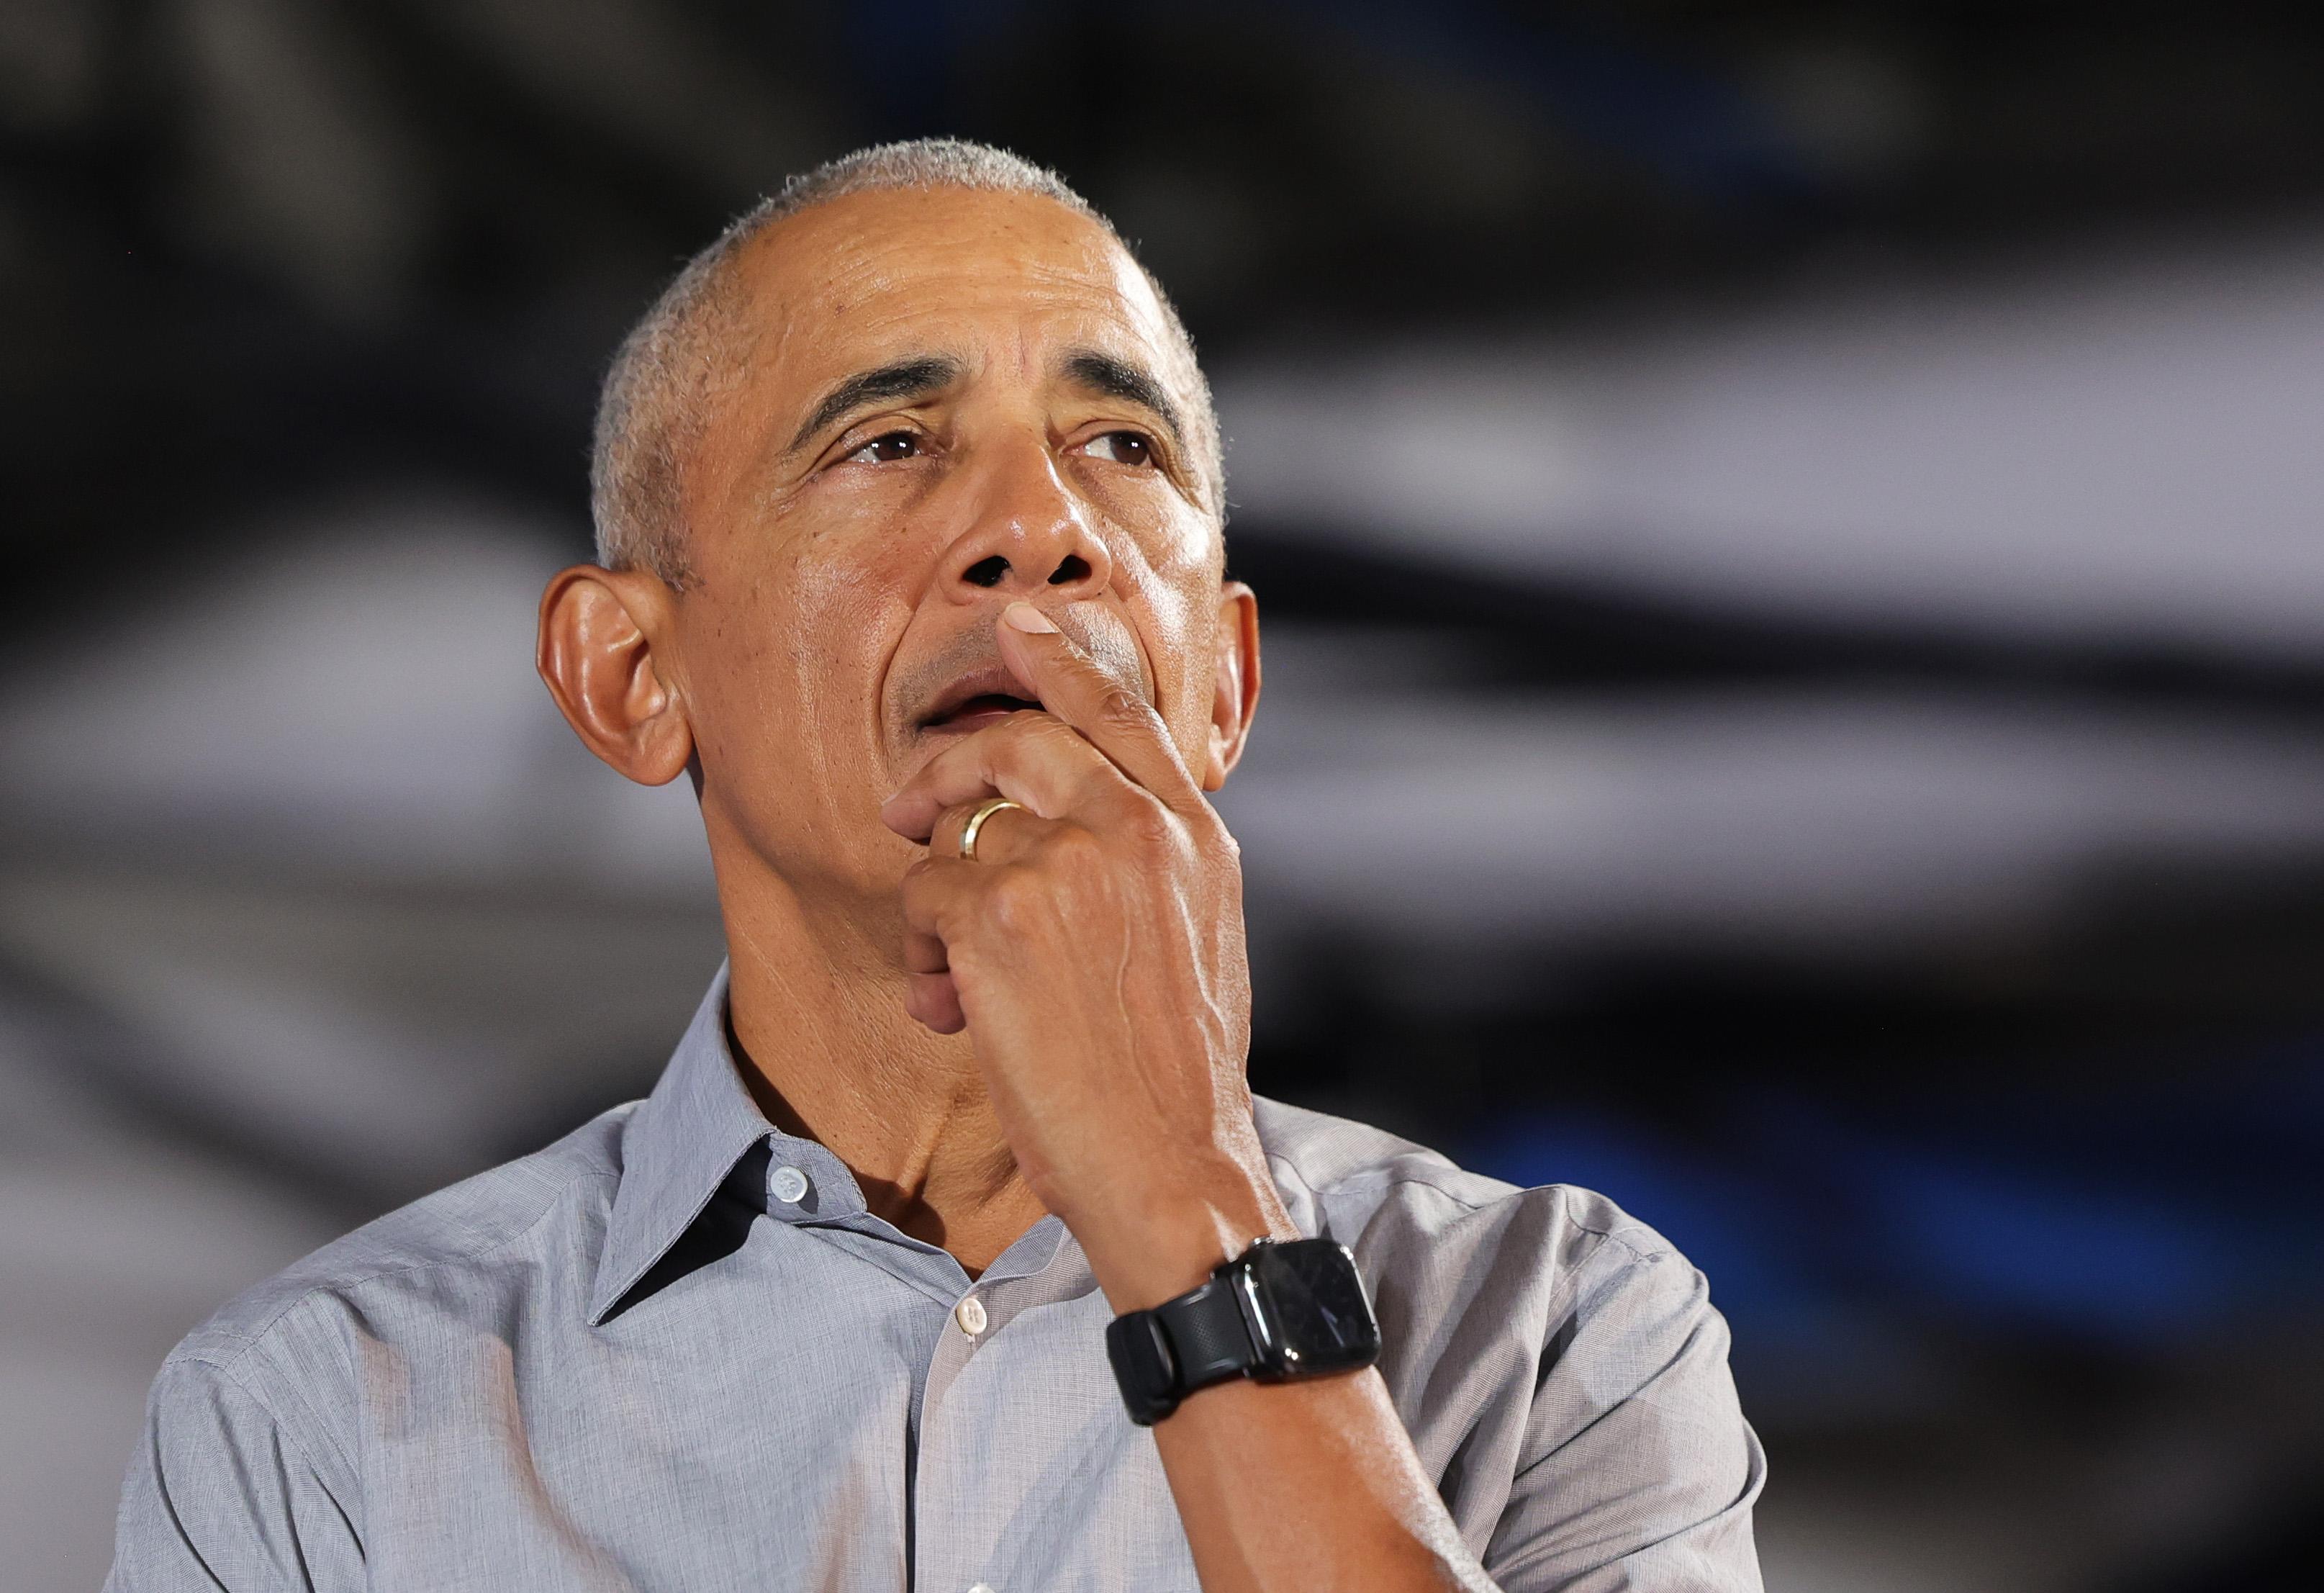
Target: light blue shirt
674,1351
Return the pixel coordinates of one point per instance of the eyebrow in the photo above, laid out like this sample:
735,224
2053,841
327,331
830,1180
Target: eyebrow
916,377
1115,377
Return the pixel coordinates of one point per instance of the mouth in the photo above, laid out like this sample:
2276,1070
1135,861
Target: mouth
980,698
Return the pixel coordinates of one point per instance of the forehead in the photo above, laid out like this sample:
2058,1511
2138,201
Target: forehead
997,278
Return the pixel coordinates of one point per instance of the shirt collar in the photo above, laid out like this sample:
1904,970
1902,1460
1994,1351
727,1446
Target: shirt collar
698,1130
686,1139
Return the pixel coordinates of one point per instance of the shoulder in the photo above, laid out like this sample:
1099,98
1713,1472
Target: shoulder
472,1239
1353,1180
1469,1269
1557,1363
280,1370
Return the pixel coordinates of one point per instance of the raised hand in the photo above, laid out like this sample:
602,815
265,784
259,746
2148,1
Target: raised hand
1093,950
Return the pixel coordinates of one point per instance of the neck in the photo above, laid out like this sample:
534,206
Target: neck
816,1011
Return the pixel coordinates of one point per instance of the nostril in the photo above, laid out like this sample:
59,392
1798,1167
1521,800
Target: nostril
986,573
1074,567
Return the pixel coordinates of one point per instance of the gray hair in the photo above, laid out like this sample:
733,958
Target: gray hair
658,397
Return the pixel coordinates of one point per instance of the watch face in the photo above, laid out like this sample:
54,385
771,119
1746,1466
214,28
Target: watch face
1311,1299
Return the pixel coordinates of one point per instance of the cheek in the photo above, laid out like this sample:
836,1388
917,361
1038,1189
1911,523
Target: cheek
795,650
1172,580
1171,538
849,599
847,617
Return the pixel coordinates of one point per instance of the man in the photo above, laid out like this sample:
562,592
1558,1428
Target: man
911,504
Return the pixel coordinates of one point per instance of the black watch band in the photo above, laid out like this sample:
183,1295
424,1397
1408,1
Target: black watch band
1161,1355
1276,1312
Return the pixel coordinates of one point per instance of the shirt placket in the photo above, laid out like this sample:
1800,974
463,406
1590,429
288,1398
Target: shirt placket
981,1313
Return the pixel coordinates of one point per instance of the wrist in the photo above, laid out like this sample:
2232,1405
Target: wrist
1154,1245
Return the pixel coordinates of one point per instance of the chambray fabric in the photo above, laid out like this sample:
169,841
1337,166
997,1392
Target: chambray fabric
624,1363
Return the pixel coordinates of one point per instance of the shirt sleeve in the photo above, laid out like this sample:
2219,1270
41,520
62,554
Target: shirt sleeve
221,1497
1637,1471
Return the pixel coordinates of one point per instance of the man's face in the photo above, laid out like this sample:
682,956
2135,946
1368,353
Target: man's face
947,401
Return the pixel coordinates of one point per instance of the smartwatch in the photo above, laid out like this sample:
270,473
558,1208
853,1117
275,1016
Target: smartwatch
1277,1312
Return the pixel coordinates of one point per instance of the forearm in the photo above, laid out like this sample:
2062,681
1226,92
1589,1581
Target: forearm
1308,1485
1281,1486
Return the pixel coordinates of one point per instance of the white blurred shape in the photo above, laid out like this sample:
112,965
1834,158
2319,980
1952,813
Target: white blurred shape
310,839
2125,450
1801,821
362,701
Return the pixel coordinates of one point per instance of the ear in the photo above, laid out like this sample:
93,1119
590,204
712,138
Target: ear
1234,696
598,631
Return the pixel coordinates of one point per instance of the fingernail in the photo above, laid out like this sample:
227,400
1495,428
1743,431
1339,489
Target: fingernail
1024,616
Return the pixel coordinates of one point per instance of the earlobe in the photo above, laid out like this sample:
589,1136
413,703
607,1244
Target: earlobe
1234,692
596,652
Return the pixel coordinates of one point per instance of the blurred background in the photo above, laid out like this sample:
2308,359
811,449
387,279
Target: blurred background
1793,537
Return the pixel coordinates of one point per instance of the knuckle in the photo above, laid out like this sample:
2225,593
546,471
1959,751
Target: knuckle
1052,730
919,888
1012,901
1074,850
1211,832
1148,826
1041,734
1119,707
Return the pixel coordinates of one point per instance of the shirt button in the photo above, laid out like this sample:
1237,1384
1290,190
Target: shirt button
982,1587
788,1185
970,1314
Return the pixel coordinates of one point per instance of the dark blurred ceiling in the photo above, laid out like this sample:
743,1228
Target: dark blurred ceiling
252,248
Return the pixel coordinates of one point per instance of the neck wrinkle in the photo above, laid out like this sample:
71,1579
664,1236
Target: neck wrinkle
815,1018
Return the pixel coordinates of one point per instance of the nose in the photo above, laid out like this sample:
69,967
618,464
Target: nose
1027,535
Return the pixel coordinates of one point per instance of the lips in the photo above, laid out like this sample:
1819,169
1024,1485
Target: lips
979,698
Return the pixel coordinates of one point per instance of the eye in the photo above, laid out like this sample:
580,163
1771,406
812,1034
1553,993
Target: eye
885,449
1124,448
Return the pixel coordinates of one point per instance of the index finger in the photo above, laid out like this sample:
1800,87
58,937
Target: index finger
1033,758
1115,720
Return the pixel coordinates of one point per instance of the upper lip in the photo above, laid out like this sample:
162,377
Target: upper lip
992,680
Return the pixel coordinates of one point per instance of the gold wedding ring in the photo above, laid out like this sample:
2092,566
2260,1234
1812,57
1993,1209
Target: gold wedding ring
983,810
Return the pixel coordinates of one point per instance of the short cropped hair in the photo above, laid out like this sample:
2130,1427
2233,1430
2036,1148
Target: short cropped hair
659,394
